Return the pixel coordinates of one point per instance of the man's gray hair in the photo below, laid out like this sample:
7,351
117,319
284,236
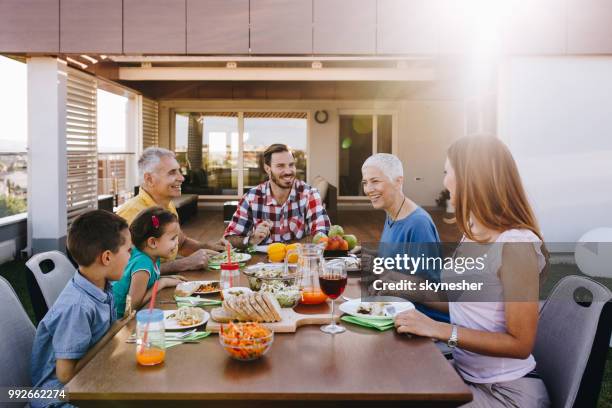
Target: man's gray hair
151,156
389,164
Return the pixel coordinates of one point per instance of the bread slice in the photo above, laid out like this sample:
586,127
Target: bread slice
222,315
246,304
264,306
260,311
232,304
273,305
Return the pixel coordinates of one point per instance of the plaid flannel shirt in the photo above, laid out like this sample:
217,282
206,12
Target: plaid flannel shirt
302,214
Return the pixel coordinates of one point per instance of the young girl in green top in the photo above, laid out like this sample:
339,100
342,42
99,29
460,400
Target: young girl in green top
155,233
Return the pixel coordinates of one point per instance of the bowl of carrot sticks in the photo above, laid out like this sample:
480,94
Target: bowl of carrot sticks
246,341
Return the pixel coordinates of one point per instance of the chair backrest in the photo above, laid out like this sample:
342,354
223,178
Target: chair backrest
53,282
16,338
568,324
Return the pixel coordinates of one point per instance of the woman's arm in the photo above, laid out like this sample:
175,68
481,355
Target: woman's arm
520,280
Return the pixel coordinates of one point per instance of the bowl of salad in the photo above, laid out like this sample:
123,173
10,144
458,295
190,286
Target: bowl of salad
273,278
246,341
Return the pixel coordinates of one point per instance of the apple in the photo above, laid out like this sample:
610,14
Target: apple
318,238
352,241
336,231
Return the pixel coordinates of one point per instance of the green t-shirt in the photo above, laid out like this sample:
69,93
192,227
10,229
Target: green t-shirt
139,261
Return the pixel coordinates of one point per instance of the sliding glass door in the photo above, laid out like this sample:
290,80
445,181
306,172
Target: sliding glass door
217,162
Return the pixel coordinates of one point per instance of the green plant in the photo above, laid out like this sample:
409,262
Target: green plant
12,205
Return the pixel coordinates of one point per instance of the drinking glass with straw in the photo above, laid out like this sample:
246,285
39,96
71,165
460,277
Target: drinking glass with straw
229,270
150,334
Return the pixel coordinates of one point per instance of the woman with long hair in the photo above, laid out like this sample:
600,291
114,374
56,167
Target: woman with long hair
492,337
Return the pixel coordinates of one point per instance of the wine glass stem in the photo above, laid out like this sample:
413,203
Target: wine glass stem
333,321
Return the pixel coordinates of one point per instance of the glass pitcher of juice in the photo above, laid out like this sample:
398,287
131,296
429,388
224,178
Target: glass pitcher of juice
309,265
150,337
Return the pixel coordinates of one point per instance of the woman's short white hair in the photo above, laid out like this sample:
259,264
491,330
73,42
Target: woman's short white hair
150,158
389,164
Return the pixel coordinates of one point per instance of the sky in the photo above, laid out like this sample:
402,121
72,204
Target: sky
112,112
13,106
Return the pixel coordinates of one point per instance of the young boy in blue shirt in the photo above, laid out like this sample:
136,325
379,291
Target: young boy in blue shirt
100,243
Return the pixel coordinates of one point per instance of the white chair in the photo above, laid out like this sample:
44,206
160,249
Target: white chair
53,282
572,341
16,339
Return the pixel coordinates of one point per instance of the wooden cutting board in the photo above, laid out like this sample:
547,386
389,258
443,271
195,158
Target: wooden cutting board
289,323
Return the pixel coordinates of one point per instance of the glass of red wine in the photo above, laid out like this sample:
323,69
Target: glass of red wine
332,281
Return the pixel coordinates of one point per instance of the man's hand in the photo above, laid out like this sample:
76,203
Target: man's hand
197,260
261,232
218,245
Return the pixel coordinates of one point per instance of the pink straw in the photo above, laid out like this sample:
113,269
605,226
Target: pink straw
151,303
229,261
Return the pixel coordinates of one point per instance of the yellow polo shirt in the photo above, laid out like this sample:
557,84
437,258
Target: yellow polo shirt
131,208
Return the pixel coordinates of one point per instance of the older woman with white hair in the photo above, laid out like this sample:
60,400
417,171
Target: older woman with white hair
408,227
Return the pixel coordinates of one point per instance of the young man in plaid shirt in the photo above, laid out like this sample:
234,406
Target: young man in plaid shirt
280,209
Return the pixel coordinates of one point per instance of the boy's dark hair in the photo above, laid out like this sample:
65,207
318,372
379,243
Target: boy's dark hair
275,148
143,227
94,232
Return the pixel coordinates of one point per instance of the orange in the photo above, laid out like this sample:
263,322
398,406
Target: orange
277,252
333,244
293,257
344,246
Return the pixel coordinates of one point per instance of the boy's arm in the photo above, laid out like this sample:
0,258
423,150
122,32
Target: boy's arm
65,369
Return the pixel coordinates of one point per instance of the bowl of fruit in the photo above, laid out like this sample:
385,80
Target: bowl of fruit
337,243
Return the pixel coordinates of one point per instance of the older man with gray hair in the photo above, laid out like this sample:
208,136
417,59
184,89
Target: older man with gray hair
160,181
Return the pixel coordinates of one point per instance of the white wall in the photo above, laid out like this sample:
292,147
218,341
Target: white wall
556,116
426,126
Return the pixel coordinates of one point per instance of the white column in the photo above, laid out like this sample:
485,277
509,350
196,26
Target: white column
47,166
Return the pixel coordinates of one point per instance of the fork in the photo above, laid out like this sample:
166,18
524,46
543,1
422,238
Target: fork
177,337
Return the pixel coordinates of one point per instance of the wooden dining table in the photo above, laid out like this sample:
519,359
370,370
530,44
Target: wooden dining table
307,368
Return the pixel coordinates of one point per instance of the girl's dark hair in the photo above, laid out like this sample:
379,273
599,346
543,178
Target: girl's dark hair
144,227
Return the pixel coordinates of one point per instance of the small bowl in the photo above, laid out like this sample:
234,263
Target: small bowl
234,291
249,349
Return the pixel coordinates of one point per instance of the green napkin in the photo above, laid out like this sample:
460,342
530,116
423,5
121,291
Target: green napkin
378,324
195,336
198,301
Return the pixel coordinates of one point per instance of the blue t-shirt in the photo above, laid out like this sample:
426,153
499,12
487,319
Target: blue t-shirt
78,319
417,236
139,261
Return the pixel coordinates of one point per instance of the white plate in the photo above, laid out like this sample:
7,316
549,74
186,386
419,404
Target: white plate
347,260
261,248
351,306
206,282
236,257
173,324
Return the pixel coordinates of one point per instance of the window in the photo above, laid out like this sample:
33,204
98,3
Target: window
208,147
263,129
114,153
13,137
360,136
